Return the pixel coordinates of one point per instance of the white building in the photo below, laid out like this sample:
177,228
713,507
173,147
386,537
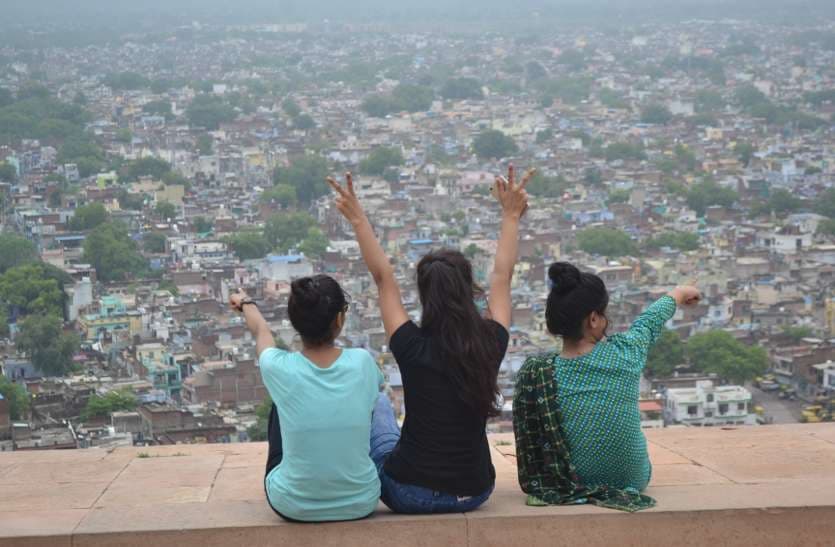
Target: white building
285,268
707,404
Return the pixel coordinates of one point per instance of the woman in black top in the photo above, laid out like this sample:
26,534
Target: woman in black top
440,461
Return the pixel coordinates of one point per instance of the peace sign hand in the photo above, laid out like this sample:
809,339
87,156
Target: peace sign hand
512,196
346,200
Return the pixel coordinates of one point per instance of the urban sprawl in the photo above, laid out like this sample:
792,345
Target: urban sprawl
142,181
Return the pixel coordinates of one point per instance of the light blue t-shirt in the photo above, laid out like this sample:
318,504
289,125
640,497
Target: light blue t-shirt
326,472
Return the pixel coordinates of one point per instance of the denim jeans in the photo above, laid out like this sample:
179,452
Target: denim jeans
407,498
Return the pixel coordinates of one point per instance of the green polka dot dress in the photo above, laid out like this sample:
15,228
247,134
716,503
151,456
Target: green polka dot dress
598,396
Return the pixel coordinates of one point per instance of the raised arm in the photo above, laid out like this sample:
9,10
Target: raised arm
255,322
391,305
514,202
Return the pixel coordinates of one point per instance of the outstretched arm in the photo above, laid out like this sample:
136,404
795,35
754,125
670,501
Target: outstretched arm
514,202
391,305
255,322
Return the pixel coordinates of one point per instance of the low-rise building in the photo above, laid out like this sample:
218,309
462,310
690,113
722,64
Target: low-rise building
707,404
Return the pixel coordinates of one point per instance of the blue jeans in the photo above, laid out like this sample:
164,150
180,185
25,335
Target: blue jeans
407,498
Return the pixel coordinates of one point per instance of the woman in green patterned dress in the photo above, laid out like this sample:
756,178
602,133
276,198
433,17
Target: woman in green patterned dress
596,386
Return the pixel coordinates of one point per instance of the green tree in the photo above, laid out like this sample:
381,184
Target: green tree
248,245
50,349
284,231
315,243
16,395
304,122
291,108
131,201
125,81
307,175
493,144
707,100
88,217
8,173
682,241
205,145
209,112
381,159
146,167
159,108
827,227
202,224
412,98
457,89
718,352
665,355
618,196
707,193
283,194
34,288
825,203
744,151
606,242
16,250
781,202
112,252
546,186
165,210
656,113
103,406
798,333
544,136
124,135
378,106
153,242
258,431
624,151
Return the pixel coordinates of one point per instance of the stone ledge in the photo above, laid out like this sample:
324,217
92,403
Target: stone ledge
750,486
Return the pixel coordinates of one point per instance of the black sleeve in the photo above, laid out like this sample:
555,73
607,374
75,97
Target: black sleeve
406,344
502,337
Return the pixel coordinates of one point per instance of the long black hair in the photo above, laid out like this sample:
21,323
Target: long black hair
463,340
574,295
315,303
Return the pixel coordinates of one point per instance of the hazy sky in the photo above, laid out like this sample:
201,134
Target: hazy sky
127,12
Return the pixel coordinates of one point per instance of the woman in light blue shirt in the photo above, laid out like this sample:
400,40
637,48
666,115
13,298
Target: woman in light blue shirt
318,467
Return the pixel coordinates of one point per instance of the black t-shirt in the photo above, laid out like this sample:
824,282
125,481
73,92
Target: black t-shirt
443,444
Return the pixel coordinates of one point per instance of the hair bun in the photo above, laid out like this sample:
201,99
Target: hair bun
564,277
304,290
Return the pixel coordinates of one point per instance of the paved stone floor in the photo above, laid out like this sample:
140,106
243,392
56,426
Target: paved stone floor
714,487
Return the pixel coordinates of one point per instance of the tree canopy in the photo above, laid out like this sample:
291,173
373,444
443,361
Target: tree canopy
285,231
493,144
665,355
33,288
656,113
718,352
307,175
17,397
112,252
88,217
681,241
707,193
16,250
103,406
209,112
547,186
404,97
380,159
248,245
457,89
50,349
606,242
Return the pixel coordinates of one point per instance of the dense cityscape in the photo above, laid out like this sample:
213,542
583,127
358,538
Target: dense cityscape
145,179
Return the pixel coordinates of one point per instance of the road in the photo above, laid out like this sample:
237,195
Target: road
781,410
